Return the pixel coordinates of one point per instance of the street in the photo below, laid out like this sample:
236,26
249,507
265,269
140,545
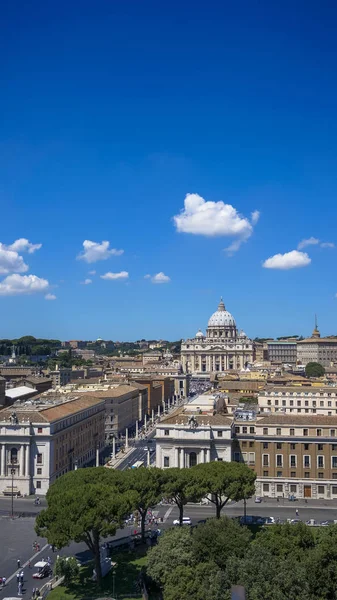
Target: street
18,535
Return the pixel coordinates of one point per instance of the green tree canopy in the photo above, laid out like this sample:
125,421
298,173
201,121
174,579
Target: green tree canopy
200,582
146,485
223,481
174,549
182,486
218,539
314,369
84,506
67,567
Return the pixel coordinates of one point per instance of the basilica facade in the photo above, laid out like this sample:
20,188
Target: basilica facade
221,349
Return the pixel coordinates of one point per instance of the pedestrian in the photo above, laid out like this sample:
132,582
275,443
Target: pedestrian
21,576
33,593
29,565
296,512
18,578
4,581
20,589
19,563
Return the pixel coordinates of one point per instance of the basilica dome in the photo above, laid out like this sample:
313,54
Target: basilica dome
199,334
221,318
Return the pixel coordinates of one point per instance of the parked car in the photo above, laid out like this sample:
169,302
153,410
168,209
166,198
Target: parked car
311,522
44,570
326,523
294,521
186,521
270,521
258,499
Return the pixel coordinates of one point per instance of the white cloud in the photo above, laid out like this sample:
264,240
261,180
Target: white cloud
201,217
160,278
312,241
94,251
23,245
15,285
113,276
86,282
147,276
289,260
92,272
50,297
11,261
327,245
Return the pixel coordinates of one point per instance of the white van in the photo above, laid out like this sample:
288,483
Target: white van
186,521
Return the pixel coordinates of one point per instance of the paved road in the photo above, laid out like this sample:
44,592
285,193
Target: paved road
18,535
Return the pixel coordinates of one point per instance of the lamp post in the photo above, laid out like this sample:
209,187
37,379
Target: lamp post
12,474
114,565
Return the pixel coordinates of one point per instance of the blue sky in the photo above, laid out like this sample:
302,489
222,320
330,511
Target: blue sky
112,112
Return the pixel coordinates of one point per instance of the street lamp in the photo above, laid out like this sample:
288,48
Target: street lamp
114,565
12,474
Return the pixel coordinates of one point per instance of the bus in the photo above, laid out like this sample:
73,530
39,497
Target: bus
139,463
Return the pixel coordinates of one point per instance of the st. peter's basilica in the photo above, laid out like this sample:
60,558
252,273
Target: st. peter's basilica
221,349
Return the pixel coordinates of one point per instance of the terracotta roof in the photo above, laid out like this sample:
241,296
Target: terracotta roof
69,408
33,416
36,379
318,341
299,389
120,390
304,420
182,419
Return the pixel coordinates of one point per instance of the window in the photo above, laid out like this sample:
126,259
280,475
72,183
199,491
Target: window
292,446
252,458
14,456
39,459
278,430
219,433
321,403
166,432
318,432
166,461
279,488
293,460
334,447
279,474
276,402
244,443
333,432
306,446
251,444
39,429
334,490
193,459
305,432
329,404
321,489
38,485
284,402
320,475
306,403
251,429
265,473
291,403
292,431
279,460
334,462
292,474
298,402
306,461
293,488
265,431
306,475
265,460
39,471
320,446
265,445
279,446
320,462
237,429
266,487
314,402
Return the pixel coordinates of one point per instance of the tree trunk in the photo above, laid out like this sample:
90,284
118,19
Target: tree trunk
181,513
142,524
97,557
218,508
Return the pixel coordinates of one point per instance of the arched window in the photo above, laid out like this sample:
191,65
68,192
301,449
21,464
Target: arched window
14,455
193,459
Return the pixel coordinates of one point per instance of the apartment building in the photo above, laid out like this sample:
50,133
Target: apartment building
60,376
284,352
124,405
42,440
291,454
299,400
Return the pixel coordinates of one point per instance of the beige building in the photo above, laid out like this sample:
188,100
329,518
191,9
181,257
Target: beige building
124,405
299,399
193,435
282,351
2,391
60,376
317,349
222,348
41,441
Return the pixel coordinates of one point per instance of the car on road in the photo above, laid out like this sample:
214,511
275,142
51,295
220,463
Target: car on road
186,521
44,569
326,523
258,499
294,521
311,522
145,448
270,521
